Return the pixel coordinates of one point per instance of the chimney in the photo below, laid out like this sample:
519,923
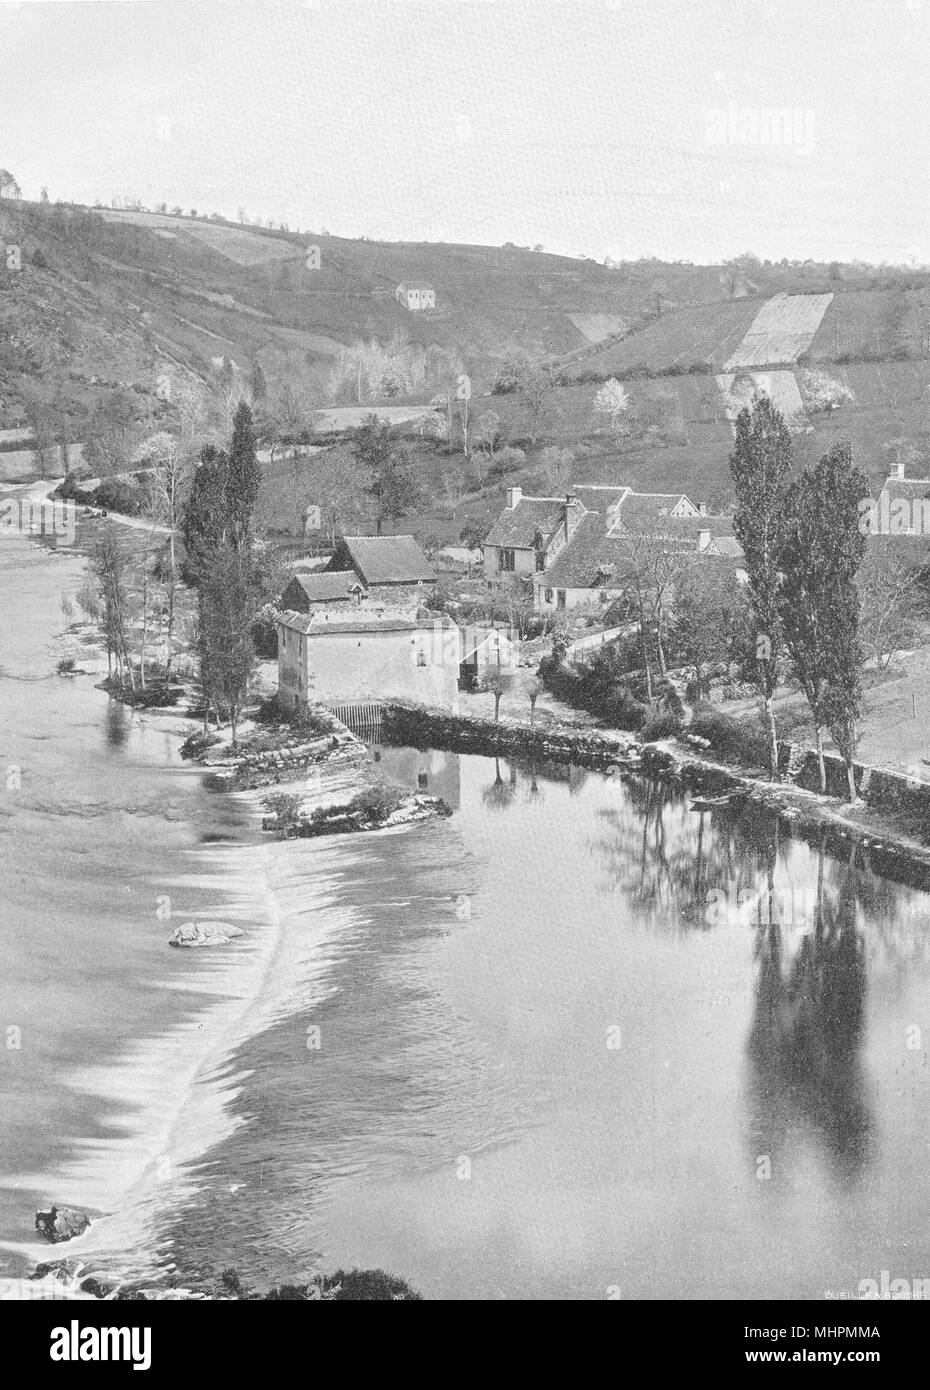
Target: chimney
514,496
702,508
899,469
571,515
703,540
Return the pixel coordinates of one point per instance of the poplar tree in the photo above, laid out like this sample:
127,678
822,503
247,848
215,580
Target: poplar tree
822,550
760,465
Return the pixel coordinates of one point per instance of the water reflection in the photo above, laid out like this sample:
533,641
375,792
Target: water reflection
804,1047
118,723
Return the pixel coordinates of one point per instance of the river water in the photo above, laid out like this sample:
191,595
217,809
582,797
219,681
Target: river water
535,1050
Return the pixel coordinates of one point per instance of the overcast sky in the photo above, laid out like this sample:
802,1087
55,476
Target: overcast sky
608,127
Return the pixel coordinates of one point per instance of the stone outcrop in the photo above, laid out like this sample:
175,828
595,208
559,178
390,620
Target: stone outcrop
197,934
61,1223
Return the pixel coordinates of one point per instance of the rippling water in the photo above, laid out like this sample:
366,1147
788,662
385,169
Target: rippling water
512,1054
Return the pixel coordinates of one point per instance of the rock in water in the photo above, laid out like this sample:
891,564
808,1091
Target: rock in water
203,934
61,1223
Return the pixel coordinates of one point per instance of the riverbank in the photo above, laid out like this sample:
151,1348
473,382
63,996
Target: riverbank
873,827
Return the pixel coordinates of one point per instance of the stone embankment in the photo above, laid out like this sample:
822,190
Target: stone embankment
416,727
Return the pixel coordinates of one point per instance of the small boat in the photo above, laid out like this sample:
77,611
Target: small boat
711,803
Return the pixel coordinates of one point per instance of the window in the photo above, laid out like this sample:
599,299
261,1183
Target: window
548,595
507,560
540,560
421,658
560,598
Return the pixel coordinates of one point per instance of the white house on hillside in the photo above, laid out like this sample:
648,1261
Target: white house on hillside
415,295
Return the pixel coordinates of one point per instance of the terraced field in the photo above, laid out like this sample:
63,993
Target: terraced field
783,328
699,333
237,244
781,388
597,327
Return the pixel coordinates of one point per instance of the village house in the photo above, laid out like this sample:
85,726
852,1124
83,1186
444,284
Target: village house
581,552
415,295
333,655
322,588
391,569
527,536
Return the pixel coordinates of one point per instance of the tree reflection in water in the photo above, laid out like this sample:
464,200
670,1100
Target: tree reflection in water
499,795
808,997
666,858
805,1069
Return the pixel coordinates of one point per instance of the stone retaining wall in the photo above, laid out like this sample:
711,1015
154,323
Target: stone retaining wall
416,727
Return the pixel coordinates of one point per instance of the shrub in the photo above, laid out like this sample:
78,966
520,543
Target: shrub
659,726
378,801
286,806
265,633
65,666
732,738
116,496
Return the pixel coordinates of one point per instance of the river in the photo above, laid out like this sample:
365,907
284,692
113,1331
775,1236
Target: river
540,1049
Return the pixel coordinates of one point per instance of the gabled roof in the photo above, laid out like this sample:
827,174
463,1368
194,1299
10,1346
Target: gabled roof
517,526
595,558
384,559
650,506
327,586
416,285
591,559
906,487
597,497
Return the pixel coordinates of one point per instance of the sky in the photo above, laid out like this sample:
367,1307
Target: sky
684,129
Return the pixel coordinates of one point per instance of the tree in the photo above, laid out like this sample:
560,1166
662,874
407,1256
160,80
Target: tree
169,485
710,619
612,400
257,383
825,392
443,368
110,566
488,430
9,188
227,610
844,692
512,369
496,682
243,475
559,467
205,517
891,596
112,434
535,395
822,549
760,465
392,483
534,688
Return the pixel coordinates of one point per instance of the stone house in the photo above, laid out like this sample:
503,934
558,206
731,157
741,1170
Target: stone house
337,655
415,295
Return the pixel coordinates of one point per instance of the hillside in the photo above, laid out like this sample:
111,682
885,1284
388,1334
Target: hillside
111,298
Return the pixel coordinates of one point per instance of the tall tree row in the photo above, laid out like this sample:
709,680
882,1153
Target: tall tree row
803,547
760,465
219,540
